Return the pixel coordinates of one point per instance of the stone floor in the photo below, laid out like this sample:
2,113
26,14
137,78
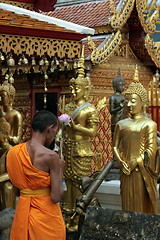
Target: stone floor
110,224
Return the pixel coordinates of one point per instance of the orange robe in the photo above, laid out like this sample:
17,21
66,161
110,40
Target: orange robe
36,218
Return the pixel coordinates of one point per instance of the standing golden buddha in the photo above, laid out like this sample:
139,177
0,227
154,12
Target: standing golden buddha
77,148
13,117
11,121
7,197
134,147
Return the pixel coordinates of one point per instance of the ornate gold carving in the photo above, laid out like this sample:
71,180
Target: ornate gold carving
102,143
40,46
103,29
153,50
148,21
28,6
22,104
118,19
104,54
153,91
125,51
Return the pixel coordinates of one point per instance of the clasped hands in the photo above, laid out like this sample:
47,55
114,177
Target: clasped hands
127,168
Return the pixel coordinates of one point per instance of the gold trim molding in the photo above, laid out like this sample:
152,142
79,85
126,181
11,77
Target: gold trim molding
148,21
40,46
103,29
118,19
28,6
104,54
153,50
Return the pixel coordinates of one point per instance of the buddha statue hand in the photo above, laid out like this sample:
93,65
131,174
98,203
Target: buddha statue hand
146,159
125,168
133,164
153,173
76,127
13,140
4,177
122,103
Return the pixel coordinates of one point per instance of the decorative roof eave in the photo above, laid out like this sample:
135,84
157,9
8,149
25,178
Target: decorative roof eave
148,21
153,50
103,29
13,30
39,46
51,20
99,56
119,18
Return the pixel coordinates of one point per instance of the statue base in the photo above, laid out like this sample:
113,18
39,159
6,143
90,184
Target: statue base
6,218
72,236
101,224
114,173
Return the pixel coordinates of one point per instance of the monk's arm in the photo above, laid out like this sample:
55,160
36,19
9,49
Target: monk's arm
56,174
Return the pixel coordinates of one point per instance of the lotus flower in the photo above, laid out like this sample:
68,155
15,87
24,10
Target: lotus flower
64,119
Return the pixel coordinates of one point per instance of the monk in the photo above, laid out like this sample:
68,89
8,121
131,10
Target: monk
36,173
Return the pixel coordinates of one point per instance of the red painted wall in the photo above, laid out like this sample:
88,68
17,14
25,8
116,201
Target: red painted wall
43,5
46,6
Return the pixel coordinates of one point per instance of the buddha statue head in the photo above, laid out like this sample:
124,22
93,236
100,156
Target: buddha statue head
7,92
118,83
136,94
80,86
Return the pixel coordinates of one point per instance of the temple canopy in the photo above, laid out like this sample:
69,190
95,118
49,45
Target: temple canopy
40,17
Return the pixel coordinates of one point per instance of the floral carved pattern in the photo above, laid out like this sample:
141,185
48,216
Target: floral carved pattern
28,6
40,46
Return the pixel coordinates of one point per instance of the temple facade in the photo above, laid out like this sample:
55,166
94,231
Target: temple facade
126,34
38,52
122,33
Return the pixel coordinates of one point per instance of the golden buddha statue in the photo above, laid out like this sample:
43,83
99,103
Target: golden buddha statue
7,197
13,117
77,148
11,132
117,102
134,148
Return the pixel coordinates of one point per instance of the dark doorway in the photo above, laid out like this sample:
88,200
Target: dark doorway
51,102
50,105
